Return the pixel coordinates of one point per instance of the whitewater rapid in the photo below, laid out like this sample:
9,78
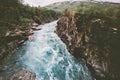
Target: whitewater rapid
47,56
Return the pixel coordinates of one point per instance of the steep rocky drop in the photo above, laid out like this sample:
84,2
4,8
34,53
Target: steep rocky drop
93,41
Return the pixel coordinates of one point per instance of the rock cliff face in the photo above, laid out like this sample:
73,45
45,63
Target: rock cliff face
93,41
21,75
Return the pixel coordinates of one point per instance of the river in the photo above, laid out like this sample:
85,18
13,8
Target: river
47,56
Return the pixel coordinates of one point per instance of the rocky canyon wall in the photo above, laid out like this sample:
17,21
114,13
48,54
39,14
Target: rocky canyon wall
93,39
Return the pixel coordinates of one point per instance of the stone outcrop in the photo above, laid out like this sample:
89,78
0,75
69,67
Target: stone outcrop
22,74
92,41
15,38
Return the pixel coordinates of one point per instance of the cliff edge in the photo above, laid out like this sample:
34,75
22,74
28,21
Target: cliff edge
93,39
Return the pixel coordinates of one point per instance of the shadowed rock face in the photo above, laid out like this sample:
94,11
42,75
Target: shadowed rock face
94,41
21,75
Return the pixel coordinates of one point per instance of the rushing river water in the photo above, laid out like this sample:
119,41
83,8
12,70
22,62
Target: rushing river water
47,56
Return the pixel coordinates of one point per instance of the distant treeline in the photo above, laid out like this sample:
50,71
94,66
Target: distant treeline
13,12
101,11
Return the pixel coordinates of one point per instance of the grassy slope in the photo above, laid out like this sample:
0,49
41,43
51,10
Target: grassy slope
61,6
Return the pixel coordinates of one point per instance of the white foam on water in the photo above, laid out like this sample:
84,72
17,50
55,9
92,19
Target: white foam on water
47,56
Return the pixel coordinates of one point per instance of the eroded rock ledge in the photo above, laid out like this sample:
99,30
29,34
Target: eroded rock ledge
22,74
92,40
14,38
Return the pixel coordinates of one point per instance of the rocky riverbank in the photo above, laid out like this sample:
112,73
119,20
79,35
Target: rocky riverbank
21,75
13,39
95,41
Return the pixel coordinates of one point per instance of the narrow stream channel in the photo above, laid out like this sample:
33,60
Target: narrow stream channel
47,56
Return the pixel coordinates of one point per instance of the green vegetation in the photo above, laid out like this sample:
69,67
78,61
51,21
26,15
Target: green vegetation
100,11
101,24
13,12
61,6
93,34
108,16
74,5
16,18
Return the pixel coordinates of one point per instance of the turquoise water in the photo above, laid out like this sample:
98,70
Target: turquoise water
46,55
